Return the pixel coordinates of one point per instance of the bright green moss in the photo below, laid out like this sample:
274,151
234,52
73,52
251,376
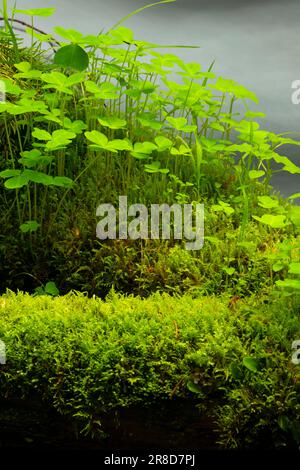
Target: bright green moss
86,357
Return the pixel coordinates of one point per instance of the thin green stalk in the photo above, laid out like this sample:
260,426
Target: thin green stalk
9,29
138,11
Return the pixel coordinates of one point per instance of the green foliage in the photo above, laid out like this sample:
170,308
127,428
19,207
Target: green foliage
86,358
64,131
117,91
100,119
35,11
49,289
72,56
103,119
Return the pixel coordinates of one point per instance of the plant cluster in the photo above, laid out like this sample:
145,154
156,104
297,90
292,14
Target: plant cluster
88,118
98,116
87,357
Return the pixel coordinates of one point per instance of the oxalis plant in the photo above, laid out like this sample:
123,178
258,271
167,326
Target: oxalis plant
104,107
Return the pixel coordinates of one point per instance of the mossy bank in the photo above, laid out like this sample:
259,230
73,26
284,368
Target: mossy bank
88,359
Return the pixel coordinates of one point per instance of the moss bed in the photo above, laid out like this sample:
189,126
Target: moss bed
88,360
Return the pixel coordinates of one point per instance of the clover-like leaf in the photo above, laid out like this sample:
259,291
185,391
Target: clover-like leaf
41,134
294,268
267,202
113,122
36,11
163,143
29,226
51,289
274,221
9,173
16,182
72,56
254,174
70,34
97,138
62,181
289,283
105,91
154,167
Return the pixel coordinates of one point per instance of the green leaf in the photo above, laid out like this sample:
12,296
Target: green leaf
72,56
251,363
10,87
254,114
70,34
39,291
229,271
242,148
40,134
145,148
147,120
289,166
16,182
217,126
101,141
184,149
75,78
230,86
38,177
123,34
26,72
36,11
62,181
92,87
139,156
294,268
253,174
112,122
162,143
63,135
294,215
294,196
31,162
29,226
76,126
154,167
56,79
106,91
9,173
51,289
222,207
23,66
274,221
277,267
267,202
97,138
119,144
180,124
